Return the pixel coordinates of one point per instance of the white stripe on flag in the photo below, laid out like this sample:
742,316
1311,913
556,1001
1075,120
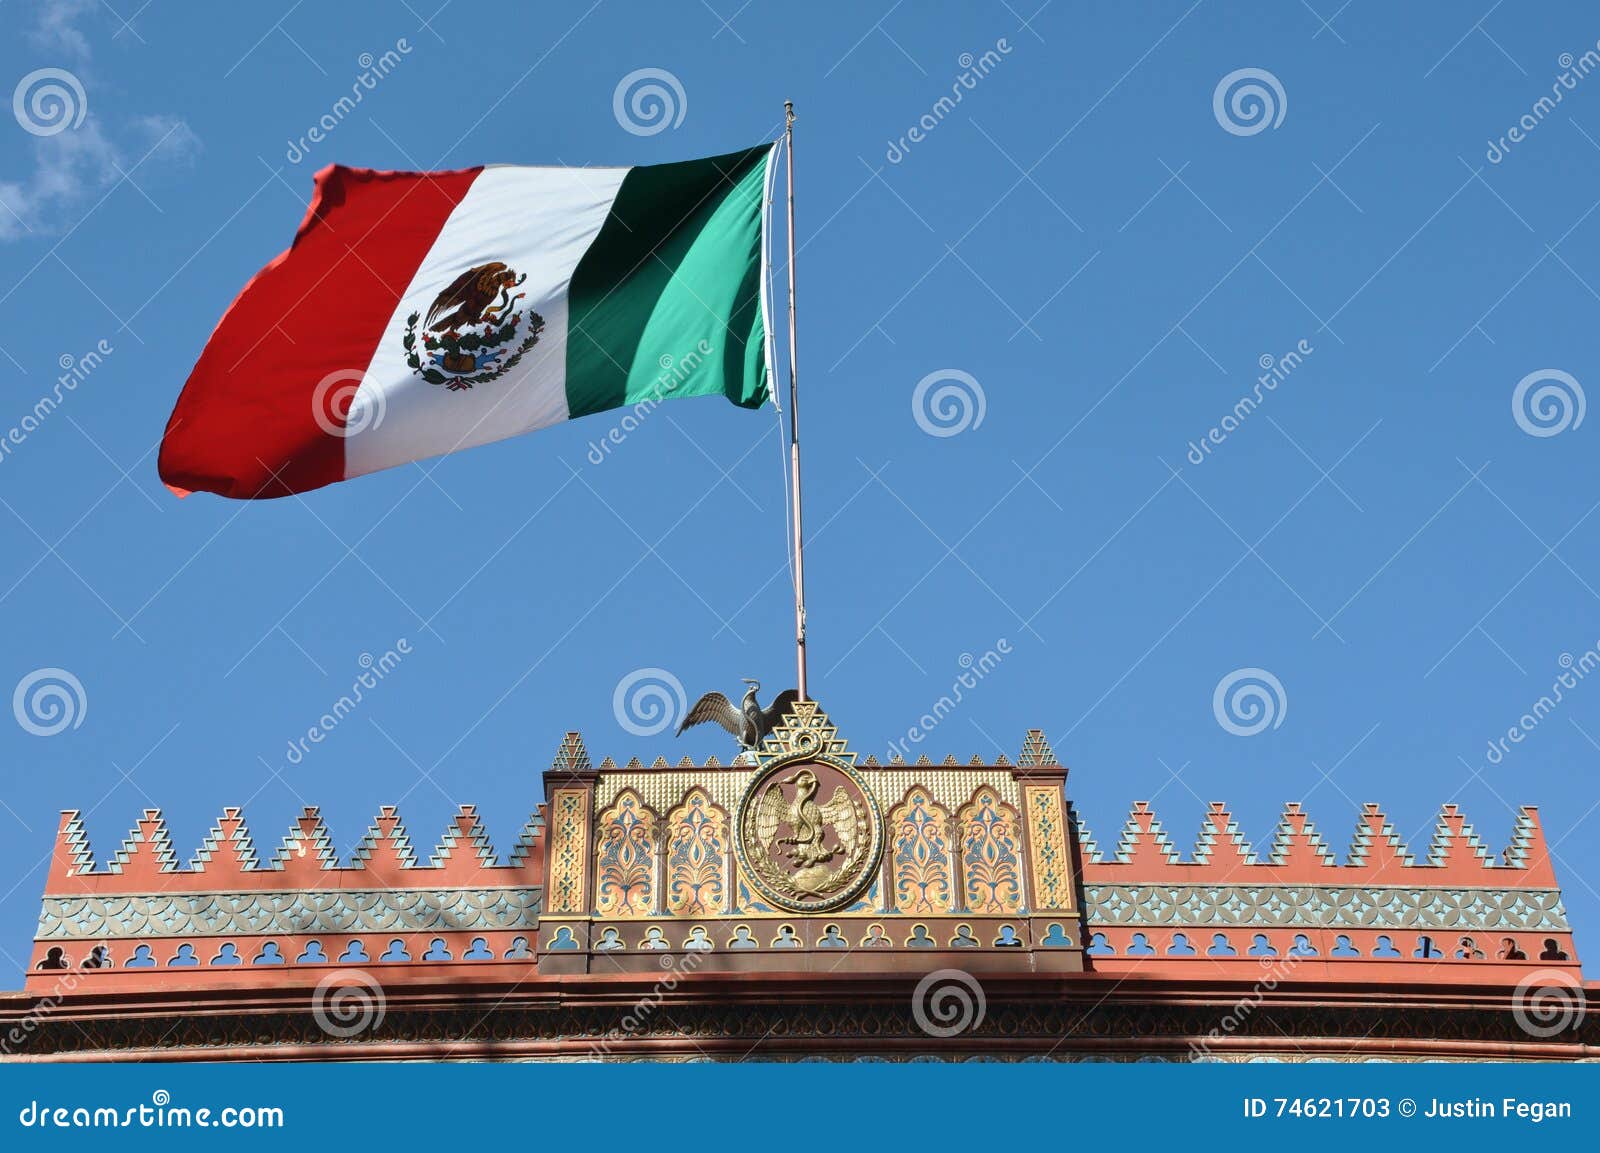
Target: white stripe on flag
539,222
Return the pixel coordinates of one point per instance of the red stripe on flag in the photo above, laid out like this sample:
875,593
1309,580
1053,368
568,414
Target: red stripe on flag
247,422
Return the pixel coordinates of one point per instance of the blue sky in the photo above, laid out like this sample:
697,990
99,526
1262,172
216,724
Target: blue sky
1104,255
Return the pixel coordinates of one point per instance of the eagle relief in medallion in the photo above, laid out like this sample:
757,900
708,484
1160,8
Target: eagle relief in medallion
473,332
809,835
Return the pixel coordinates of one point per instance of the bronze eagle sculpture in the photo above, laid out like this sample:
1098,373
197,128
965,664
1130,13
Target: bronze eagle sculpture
471,294
748,721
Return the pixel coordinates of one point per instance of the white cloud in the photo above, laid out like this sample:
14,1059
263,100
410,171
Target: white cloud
75,168
56,29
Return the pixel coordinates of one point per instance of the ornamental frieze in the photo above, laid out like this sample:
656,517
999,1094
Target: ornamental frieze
253,914
1034,1029
1325,906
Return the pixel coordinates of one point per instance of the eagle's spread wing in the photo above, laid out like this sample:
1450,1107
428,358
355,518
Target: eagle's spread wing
840,812
451,295
775,712
714,707
770,812
474,281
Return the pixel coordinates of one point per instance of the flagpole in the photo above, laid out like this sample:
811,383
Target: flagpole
794,423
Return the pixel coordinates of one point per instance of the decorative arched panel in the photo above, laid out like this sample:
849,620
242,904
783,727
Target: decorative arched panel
697,857
625,859
922,867
991,854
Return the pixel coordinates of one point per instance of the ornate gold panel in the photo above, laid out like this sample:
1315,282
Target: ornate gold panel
922,861
625,859
1050,863
697,882
991,855
566,886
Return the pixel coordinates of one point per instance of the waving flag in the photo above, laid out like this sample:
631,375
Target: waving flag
417,313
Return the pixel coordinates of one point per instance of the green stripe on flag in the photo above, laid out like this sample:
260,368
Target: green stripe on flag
667,300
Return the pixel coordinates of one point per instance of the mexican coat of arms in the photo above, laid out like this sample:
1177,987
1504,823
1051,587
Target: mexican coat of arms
809,834
474,332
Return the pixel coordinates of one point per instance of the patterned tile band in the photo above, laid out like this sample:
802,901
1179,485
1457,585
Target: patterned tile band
569,847
1052,874
376,910
255,913
1325,906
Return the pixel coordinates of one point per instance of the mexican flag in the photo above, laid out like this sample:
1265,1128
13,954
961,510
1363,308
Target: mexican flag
417,313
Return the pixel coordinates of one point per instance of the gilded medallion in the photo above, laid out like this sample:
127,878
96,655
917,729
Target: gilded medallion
809,833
